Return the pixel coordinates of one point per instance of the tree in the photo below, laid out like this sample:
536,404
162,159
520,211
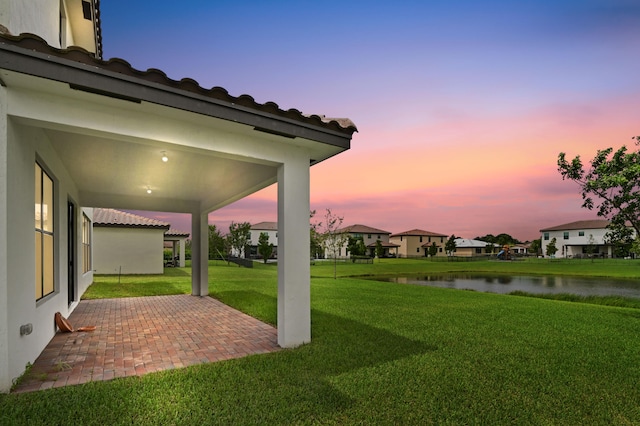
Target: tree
379,249
591,246
611,184
433,250
216,243
315,239
621,238
265,249
356,246
536,246
489,248
551,247
332,238
239,236
450,245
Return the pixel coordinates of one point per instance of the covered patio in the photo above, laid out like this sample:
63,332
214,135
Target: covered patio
140,335
107,135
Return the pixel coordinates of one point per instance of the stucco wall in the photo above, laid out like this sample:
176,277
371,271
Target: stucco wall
128,250
25,145
39,17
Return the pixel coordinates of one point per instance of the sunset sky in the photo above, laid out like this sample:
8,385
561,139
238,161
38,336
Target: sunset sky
462,106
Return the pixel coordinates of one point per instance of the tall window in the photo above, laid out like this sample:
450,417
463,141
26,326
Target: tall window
86,244
546,236
565,235
44,233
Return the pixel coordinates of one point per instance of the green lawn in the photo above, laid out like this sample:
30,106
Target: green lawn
385,354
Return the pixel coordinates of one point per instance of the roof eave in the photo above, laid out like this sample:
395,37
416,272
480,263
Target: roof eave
91,78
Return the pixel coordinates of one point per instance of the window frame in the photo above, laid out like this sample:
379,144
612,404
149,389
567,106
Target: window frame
45,233
86,244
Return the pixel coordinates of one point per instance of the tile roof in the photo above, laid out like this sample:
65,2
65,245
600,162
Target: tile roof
580,224
117,218
175,233
98,29
361,229
465,242
77,54
389,245
419,233
265,226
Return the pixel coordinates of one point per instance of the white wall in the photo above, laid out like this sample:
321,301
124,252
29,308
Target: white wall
128,250
255,236
574,244
24,146
40,17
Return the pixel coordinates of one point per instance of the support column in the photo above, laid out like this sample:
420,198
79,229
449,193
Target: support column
182,253
199,254
5,379
294,283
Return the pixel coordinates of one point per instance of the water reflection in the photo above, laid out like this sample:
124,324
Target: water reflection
533,284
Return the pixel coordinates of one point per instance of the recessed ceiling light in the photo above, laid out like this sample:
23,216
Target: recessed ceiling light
149,191
164,156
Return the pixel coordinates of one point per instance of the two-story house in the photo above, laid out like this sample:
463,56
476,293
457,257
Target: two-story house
370,236
577,239
416,243
269,228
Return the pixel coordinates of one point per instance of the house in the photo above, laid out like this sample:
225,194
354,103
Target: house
370,236
77,132
416,243
470,248
126,243
269,228
578,239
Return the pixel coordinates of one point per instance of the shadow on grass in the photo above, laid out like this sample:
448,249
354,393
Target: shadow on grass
292,386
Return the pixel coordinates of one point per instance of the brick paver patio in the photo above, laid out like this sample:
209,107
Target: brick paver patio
140,335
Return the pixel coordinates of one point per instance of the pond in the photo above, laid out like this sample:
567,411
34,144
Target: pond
531,284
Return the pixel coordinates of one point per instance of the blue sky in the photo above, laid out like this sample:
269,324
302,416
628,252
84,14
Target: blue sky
461,106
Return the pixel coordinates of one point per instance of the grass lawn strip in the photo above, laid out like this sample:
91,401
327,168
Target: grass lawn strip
383,354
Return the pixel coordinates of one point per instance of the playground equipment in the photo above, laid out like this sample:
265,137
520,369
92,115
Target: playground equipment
504,254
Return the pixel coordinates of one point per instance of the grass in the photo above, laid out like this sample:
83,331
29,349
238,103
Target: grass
383,354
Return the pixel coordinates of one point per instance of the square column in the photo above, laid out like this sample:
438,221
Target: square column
5,379
294,282
199,254
182,253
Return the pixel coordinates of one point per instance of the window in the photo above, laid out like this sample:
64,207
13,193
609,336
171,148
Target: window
420,239
580,233
86,244
44,233
441,239
546,235
369,236
417,249
565,235
440,249
478,251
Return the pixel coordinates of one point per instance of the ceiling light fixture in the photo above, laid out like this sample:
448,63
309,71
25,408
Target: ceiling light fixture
164,156
149,190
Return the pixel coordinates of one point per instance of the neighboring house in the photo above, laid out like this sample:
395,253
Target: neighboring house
271,229
177,243
126,243
576,239
470,248
369,236
416,243
77,131
520,249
